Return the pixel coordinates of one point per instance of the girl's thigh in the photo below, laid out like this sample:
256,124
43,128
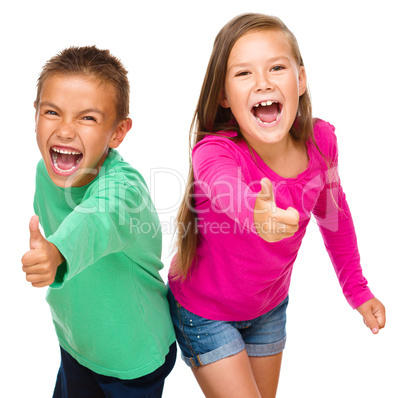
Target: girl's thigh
240,376
230,377
266,371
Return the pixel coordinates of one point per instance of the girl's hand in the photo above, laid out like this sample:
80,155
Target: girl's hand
373,313
272,223
41,262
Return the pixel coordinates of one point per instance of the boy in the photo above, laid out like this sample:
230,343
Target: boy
107,299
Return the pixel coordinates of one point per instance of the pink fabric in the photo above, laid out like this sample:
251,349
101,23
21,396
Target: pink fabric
237,275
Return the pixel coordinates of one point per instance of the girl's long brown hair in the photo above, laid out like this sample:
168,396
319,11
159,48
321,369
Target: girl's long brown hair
210,117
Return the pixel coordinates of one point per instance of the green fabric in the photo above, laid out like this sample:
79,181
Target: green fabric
108,301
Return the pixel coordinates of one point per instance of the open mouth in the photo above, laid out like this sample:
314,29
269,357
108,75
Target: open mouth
65,160
267,112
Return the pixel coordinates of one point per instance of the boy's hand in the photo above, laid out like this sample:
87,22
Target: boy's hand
373,313
272,223
41,262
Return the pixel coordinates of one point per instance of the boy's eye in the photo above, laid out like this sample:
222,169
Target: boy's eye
89,118
51,113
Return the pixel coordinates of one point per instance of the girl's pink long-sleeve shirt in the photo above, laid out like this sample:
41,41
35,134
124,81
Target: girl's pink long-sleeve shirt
236,275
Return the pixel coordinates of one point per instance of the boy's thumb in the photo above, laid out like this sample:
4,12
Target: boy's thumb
35,234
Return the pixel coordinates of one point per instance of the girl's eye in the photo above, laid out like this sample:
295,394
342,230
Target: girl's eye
245,73
277,68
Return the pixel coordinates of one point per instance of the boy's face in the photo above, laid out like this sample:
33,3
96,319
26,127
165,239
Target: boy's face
75,126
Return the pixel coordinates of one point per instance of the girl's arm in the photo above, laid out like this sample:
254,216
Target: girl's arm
219,175
336,226
335,222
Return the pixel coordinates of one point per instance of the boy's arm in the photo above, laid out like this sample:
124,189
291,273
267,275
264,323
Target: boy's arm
40,263
99,226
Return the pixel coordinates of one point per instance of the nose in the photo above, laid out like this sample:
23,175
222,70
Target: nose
66,131
263,83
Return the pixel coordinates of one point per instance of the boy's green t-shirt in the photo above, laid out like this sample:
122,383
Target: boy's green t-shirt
108,301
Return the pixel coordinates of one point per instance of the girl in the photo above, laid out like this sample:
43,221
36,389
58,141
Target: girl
260,166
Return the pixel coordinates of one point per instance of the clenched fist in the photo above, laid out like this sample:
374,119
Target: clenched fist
272,223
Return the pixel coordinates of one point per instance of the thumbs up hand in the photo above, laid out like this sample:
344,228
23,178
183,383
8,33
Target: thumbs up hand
272,223
41,262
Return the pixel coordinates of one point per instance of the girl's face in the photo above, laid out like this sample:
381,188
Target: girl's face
262,86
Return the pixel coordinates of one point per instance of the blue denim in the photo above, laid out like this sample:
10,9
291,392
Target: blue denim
203,341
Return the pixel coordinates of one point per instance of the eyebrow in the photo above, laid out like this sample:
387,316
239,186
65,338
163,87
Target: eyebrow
89,110
50,104
271,60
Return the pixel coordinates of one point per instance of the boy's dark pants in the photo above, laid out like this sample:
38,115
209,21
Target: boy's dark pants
77,381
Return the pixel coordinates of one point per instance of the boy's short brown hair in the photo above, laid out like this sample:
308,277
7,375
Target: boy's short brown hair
92,62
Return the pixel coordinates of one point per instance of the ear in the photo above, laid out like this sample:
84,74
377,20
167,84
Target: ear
36,115
223,101
120,132
302,81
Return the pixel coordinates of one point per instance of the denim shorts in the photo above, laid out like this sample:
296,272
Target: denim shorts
203,341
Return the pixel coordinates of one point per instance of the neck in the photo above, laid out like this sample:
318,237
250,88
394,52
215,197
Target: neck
270,153
287,158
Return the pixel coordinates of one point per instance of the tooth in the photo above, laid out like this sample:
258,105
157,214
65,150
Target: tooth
66,151
263,104
65,171
260,120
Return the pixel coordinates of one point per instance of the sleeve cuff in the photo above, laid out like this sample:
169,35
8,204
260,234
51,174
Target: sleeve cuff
61,274
356,302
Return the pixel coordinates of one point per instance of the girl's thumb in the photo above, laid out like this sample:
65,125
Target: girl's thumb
266,189
371,322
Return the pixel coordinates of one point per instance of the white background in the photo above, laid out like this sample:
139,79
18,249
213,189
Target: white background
353,60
